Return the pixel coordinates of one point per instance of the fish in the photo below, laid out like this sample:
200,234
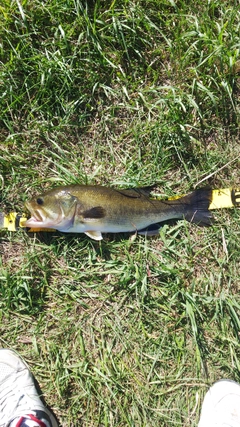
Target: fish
96,209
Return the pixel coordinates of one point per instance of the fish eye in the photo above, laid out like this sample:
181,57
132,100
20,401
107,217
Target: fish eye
39,201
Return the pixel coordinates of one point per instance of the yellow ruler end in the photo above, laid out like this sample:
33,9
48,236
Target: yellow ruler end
9,221
225,198
12,221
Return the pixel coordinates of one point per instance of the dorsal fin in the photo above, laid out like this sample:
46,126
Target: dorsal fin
137,192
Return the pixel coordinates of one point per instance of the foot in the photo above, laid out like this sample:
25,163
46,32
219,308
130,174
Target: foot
221,405
20,404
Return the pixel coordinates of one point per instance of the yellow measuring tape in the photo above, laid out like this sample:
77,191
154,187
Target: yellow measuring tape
13,221
222,198
225,198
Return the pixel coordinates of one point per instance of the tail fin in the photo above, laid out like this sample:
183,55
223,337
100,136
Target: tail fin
196,206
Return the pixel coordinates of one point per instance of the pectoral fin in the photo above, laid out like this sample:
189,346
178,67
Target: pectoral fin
95,235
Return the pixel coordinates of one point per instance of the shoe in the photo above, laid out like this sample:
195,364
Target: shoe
19,399
221,405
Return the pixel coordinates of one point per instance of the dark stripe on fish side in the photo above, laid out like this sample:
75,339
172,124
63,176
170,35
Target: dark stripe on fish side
94,213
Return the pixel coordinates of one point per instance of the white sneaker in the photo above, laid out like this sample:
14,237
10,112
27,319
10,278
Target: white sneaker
20,403
221,405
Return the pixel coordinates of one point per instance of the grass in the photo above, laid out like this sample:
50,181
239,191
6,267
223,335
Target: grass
125,332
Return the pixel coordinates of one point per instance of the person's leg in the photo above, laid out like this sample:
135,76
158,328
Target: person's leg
20,404
221,405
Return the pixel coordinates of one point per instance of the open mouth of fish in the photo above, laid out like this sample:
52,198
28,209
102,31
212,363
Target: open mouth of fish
36,216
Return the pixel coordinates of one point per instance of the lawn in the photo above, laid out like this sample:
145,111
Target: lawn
128,331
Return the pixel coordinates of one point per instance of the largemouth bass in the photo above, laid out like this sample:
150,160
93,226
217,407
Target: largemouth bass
94,210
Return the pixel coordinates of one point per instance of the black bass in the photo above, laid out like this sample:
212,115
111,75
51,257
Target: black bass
94,210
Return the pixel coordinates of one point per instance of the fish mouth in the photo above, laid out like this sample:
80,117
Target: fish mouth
44,219
36,218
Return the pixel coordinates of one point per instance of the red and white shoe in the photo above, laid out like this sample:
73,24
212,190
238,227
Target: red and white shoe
20,404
